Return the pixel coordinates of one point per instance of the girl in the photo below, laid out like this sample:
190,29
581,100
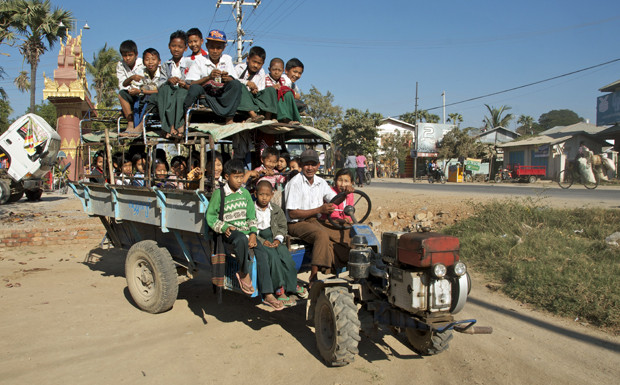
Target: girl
342,182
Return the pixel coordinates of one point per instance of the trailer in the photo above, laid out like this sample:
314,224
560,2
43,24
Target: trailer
518,173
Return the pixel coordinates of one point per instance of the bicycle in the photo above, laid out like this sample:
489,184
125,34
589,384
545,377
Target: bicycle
568,176
367,177
61,178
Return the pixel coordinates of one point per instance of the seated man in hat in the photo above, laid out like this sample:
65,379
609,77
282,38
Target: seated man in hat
306,198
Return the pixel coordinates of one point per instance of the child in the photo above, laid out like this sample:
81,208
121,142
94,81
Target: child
178,164
283,160
138,161
294,70
287,108
237,220
126,168
161,175
295,164
255,98
342,183
214,77
129,73
194,41
171,95
275,78
271,232
96,174
152,79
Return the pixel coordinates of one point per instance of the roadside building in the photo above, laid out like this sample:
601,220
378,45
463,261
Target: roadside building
608,113
497,135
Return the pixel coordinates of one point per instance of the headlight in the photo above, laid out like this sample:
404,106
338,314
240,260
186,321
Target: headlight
439,270
460,269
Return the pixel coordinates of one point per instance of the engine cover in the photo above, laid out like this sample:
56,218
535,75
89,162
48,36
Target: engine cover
408,290
427,249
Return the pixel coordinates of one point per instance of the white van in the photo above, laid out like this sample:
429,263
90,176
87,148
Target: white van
28,150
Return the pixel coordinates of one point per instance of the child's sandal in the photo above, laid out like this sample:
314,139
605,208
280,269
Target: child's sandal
301,292
287,301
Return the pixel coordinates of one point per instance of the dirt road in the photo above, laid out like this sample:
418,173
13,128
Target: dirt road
66,318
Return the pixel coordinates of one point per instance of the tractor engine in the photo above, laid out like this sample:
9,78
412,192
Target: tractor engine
424,274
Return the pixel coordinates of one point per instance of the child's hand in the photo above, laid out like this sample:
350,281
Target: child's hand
253,174
349,189
136,78
277,86
269,172
267,244
174,80
275,243
253,87
252,241
215,74
133,91
229,231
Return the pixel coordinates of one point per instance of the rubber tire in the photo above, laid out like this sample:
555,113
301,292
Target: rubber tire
428,343
468,178
337,326
442,179
591,186
34,195
531,179
5,191
498,178
146,257
367,178
16,197
565,179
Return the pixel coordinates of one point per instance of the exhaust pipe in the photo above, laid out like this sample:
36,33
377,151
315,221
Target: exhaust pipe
474,329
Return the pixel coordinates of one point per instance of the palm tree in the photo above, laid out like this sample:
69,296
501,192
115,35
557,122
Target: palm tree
526,122
103,71
38,26
22,82
497,117
455,118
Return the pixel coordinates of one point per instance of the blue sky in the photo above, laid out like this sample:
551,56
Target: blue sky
370,54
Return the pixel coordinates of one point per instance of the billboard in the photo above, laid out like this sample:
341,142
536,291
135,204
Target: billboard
608,109
428,136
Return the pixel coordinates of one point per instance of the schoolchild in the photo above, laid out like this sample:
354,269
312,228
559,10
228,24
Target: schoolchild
283,160
343,182
271,232
214,77
237,220
269,160
178,164
294,69
276,70
96,173
129,73
286,103
139,162
171,95
295,164
126,168
194,42
255,98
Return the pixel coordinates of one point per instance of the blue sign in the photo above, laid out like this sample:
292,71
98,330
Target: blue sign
608,109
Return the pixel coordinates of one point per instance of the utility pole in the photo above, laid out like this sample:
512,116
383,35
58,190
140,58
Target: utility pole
237,7
443,97
415,134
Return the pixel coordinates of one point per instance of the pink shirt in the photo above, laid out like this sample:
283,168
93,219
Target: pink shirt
360,160
339,213
273,179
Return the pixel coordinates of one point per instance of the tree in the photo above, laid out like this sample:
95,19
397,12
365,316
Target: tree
458,143
423,116
555,118
2,91
103,71
5,112
358,132
455,118
22,82
395,149
497,117
321,107
47,111
525,125
38,28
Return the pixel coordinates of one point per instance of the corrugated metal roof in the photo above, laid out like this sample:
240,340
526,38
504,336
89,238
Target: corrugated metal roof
612,87
536,141
574,128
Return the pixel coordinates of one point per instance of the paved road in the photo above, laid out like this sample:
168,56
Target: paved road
608,196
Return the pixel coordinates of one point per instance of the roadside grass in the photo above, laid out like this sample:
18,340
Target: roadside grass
553,259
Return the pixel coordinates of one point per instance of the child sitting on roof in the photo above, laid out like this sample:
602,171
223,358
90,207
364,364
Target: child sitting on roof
129,73
287,108
255,98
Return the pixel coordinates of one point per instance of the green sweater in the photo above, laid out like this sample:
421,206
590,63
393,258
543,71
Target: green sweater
239,211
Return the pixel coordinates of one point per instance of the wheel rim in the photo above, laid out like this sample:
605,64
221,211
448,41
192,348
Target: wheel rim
144,279
326,329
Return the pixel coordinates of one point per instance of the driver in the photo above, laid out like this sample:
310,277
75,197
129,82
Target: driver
306,195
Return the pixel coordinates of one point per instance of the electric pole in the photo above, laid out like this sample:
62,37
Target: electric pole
415,134
443,98
237,7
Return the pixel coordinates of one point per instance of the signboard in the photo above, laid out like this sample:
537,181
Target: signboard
472,164
428,136
608,109
542,151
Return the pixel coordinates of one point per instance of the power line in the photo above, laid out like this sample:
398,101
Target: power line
526,85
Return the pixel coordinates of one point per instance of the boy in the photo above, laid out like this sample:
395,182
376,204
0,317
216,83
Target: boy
126,168
237,220
152,79
171,95
271,232
287,105
214,77
129,73
254,97
194,41
294,70
275,78
138,161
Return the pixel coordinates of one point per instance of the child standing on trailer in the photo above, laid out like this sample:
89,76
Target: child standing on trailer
214,77
269,160
129,73
271,232
231,212
255,98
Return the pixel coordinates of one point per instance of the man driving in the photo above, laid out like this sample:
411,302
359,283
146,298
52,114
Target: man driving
306,197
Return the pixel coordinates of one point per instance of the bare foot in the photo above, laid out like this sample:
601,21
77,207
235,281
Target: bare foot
229,120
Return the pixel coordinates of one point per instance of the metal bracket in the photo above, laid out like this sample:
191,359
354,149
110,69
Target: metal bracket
186,253
161,203
114,197
88,208
204,202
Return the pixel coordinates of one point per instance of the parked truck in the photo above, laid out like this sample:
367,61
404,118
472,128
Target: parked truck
28,151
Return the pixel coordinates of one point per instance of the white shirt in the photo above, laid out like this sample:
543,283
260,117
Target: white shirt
301,195
244,78
290,84
155,82
170,69
123,72
263,217
203,66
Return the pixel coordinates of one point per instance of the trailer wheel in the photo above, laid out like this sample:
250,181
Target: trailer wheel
5,191
428,343
337,326
34,195
151,277
532,179
15,197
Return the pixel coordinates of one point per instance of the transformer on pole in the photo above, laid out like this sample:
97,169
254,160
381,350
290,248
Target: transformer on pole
237,8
